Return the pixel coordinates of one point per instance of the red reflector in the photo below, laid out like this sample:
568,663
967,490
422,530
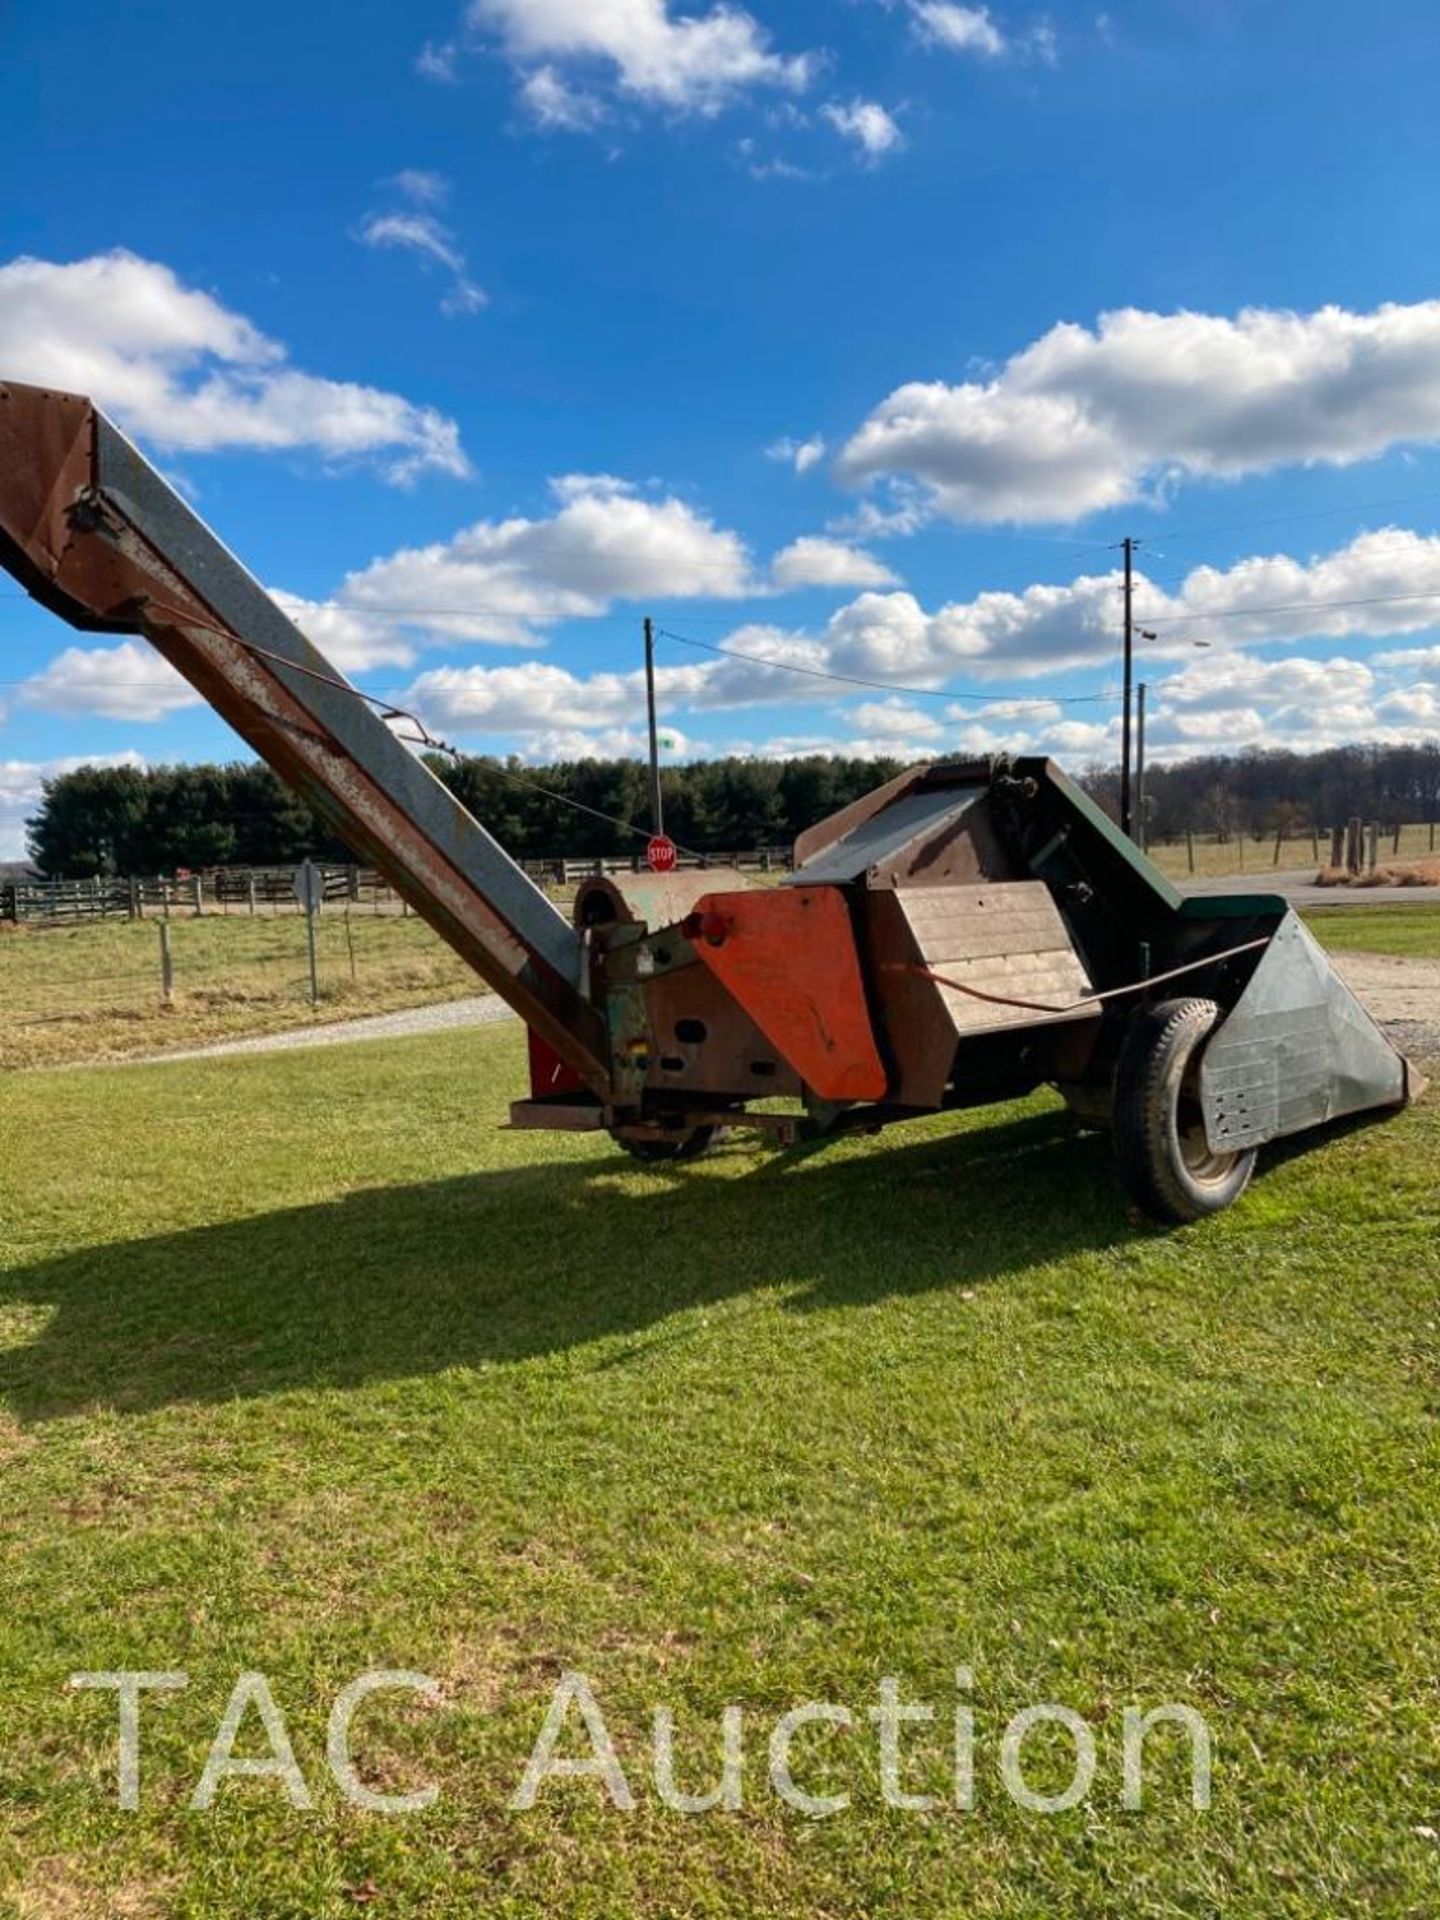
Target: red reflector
714,927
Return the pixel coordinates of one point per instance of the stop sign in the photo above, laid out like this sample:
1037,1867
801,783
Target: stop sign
661,853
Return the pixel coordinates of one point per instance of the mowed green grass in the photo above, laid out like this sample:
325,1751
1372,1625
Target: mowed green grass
1410,931
309,1369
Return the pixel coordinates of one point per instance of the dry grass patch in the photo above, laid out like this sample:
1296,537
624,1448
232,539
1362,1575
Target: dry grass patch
1418,873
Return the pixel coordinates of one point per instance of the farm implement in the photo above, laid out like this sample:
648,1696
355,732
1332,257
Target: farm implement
963,935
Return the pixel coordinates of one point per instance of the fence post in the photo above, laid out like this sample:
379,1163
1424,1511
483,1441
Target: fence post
167,965
1395,849
1354,849
1190,849
1279,841
1315,844
1374,859
198,887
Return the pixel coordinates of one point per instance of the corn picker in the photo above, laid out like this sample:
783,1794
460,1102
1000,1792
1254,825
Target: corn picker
965,934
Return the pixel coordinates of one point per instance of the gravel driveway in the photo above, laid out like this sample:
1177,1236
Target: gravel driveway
477,1010
1402,993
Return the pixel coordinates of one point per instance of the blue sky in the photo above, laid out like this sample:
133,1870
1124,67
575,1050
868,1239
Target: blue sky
848,335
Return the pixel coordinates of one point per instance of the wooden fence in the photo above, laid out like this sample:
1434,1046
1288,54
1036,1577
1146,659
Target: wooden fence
271,890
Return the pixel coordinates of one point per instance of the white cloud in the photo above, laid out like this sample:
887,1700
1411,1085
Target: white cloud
126,682
1383,582
497,580
556,105
415,233
465,297
434,244
1227,702
20,791
1411,660
1362,589
1033,712
1084,420
1226,698
906,511
1412,707
185,373
549,745
536,696
693,64
353,642
524,700
890,636
1238,683
867,123
815,562
897,719
775,167
423,185
942,23
436,60
801,454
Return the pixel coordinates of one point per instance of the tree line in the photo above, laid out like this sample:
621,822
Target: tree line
1262,791
127,820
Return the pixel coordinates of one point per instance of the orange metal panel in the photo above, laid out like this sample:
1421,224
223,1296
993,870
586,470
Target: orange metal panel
788,957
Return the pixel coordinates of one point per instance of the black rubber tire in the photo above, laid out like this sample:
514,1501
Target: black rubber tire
688,1145
1164,1157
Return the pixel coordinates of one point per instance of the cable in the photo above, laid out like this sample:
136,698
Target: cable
1290,519
1086,1000
1257,565
1290,606
881,686
422,736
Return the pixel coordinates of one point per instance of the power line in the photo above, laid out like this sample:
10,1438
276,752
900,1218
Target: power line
1291,519
882,686
1289,606
1377,544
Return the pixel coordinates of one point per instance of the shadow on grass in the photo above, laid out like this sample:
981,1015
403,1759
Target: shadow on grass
509,1265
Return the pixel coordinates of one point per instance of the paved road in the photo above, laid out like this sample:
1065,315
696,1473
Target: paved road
1299,888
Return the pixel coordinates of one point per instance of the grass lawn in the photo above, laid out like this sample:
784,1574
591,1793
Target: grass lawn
93,993
309,1369
1398,929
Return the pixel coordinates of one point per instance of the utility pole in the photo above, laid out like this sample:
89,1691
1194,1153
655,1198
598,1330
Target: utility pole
657,815
1128,547
1140,766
